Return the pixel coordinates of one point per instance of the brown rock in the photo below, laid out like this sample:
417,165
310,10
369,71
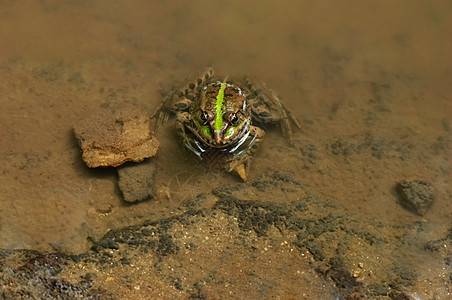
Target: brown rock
417,195
136,181
110,138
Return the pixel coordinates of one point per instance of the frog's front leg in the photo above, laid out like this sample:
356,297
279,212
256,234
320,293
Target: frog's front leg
183,120
242,159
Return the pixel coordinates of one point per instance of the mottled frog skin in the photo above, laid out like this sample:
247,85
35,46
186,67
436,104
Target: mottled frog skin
218,119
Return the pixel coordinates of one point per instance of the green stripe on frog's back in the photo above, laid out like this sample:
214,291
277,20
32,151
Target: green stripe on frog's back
219,107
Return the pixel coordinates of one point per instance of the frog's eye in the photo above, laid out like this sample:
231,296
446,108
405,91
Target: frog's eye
234,120
204,117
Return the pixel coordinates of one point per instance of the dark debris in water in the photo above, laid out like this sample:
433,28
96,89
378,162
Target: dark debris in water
327,232
37,276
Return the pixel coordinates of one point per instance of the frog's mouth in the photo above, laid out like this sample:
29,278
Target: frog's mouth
228,137
199,147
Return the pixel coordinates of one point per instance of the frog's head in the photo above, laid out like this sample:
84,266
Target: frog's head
222,116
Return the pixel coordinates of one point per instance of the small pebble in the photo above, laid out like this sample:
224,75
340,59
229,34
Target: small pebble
104,208
417,195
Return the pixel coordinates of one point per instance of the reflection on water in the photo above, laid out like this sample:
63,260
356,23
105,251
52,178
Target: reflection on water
368,81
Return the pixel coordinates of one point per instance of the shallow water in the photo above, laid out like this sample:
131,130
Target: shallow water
368,81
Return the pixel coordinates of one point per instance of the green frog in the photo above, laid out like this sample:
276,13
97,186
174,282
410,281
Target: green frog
218,119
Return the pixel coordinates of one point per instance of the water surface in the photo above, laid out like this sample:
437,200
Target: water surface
369,82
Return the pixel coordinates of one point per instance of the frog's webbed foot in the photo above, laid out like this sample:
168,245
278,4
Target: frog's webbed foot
285,123
244,155
161,113
267,107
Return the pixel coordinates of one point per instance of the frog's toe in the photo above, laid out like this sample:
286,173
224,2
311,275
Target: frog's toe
241,171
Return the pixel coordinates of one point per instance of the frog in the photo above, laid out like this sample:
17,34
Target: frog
222,120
